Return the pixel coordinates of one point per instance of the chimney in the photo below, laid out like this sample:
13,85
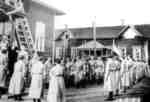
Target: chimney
122,22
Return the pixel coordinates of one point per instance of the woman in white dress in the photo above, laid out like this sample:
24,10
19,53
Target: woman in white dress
17,80
56,92
37,74
3,68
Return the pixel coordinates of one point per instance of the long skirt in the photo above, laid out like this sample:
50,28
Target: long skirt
56,92
35,90
16,83
125,80
2,76
112,82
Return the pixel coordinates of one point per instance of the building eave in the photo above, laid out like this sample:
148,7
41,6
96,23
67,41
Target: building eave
54,10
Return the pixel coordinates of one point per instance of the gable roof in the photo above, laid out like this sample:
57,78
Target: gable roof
109,32
87,33
144,30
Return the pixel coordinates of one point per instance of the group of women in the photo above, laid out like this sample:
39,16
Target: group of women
122,74
56,90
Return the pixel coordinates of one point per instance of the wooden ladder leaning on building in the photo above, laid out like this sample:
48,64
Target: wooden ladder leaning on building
21,27
23,34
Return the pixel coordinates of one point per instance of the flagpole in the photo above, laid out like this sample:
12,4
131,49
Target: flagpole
94,35
65,41
53,51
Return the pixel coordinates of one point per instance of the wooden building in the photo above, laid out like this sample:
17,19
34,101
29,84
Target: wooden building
130,40
41,19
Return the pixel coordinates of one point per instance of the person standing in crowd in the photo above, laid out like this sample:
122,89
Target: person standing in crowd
48,65
72,72
117,74
140,70
86,70
79,65
92,66
67,72
4,42
125,78
132,70
12,59
56,91
17,80
99,70
3,67
37,74
24,53
112,77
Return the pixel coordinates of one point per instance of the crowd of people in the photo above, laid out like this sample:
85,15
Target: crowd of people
123,74
19,71
81,72
35,68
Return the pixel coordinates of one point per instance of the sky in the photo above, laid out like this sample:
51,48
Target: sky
81,13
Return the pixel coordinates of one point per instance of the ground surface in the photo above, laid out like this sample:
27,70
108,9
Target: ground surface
90,94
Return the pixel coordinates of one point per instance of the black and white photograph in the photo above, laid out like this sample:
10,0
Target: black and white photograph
74,51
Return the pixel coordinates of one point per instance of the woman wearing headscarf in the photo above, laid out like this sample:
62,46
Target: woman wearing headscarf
56,92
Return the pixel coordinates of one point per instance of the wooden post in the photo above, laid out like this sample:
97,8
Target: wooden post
146,51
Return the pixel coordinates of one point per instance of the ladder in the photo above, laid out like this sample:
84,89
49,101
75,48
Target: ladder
23,34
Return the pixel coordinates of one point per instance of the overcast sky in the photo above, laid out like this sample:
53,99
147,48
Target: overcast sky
80,13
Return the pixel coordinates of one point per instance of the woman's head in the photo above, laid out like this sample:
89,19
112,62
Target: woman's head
21,57
57,61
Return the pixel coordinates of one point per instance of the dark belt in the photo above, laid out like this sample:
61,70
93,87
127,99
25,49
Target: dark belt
60,75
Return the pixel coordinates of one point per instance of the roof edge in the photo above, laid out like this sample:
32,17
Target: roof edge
56,11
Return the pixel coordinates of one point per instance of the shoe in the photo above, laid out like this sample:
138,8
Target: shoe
109,99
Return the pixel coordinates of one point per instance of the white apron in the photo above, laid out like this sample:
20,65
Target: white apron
125,78
99,70
17,80
56,91
112,76
3,75
37,71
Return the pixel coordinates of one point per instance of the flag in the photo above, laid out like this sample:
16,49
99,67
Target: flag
115,49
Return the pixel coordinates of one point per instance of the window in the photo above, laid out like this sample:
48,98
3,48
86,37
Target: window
137,52
40,36
123,51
